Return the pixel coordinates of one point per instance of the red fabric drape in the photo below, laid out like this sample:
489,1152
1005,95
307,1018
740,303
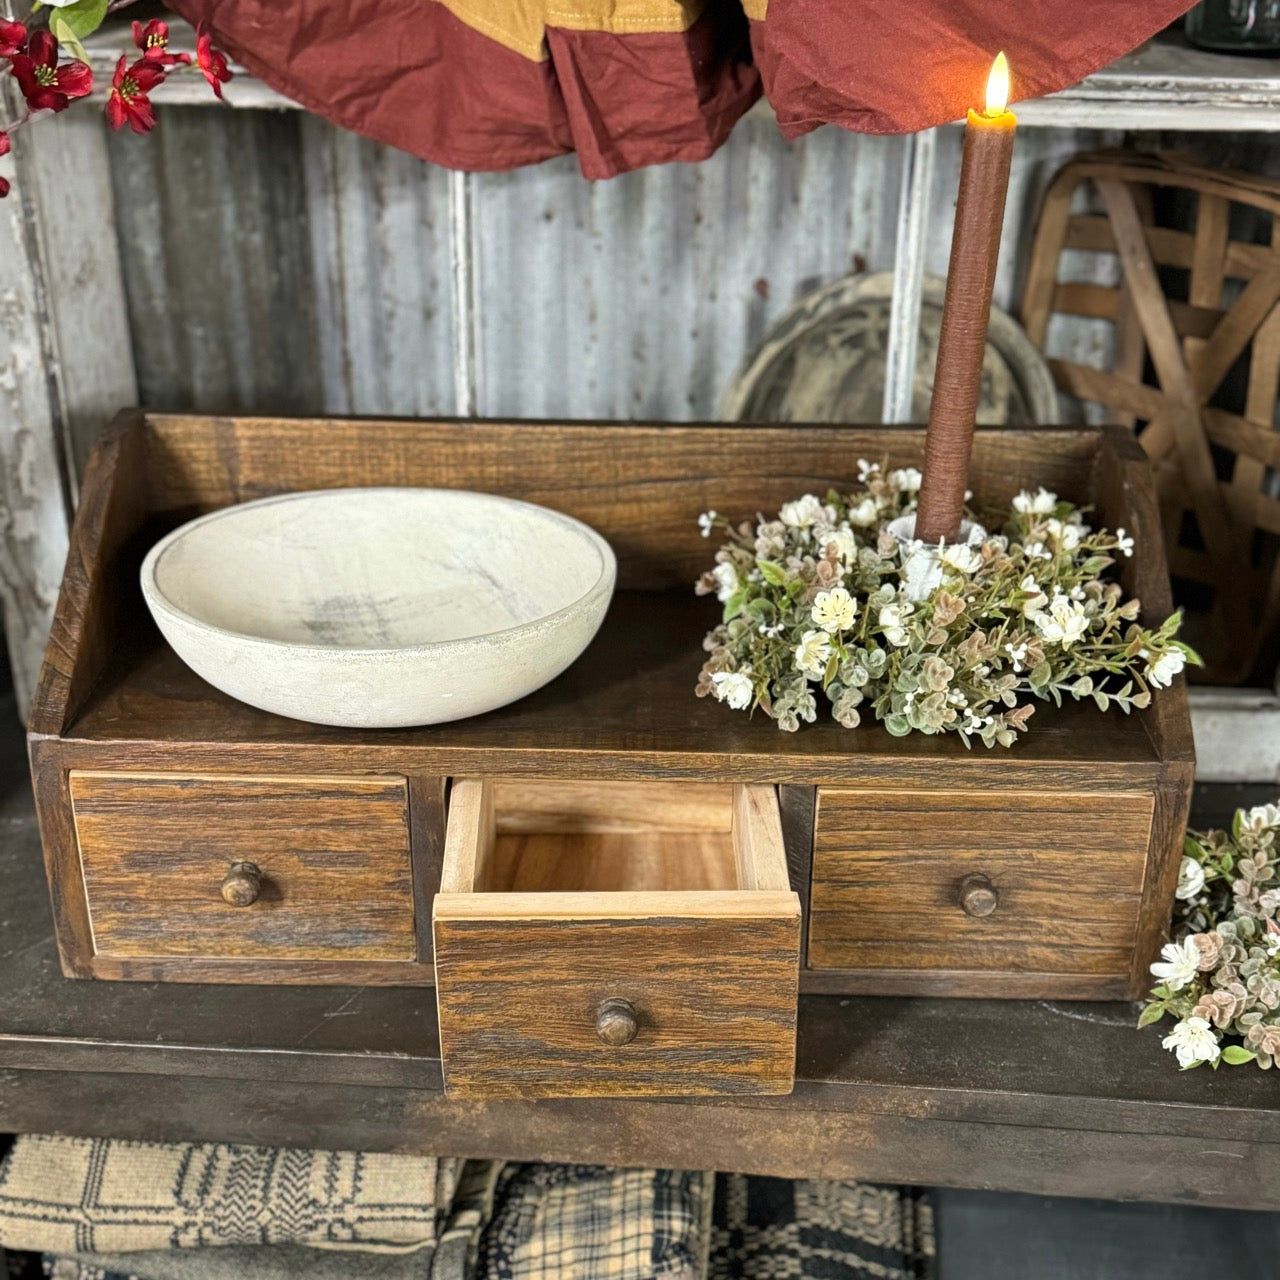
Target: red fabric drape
410,73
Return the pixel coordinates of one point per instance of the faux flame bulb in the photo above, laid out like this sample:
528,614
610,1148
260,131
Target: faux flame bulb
998,86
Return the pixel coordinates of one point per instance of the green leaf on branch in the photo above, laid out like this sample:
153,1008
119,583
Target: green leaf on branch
1236,1055
72,23
733,605
772,572
1152,1013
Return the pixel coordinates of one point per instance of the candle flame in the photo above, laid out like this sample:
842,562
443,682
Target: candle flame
998,86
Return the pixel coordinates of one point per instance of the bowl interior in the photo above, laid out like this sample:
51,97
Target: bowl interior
378,568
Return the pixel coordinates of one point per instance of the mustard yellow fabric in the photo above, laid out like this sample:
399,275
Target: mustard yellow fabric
521,24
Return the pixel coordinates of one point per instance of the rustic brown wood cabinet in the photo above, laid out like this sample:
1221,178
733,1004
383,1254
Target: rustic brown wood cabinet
628,882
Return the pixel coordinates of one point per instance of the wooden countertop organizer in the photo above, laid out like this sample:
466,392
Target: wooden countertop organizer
628,882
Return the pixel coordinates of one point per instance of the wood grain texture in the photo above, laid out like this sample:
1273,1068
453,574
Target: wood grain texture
536,930
333,854
715,998
1068,868
115,698
96,592
641,486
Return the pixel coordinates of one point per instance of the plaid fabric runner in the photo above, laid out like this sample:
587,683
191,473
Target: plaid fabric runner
81,1195
777,1229
406,1218
585,1222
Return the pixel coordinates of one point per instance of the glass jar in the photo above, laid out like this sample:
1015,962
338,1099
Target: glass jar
1236,26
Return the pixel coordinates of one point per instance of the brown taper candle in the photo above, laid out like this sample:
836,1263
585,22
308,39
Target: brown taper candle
962,341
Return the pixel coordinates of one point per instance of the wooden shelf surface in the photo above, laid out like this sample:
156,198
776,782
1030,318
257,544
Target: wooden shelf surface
625,708
1045,1097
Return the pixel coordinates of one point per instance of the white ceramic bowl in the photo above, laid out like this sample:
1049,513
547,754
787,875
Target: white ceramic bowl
380,608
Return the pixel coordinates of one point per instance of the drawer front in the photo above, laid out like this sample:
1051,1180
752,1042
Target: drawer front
163,858
578,954
713,998
979,881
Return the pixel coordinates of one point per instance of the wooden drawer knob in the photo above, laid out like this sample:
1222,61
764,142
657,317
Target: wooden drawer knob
242,884
978,896
616,1022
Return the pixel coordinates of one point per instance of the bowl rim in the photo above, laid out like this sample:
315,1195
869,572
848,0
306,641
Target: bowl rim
158,602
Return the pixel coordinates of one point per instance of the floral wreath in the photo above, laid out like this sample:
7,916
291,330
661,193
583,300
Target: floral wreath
824,599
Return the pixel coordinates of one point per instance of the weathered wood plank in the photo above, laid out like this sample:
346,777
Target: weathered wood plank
333,855
1066,870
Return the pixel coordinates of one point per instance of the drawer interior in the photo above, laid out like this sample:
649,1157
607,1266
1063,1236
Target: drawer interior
521,836
610,837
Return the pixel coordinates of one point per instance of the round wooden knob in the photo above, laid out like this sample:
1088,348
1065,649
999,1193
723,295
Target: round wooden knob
616,1022
242,884
978,896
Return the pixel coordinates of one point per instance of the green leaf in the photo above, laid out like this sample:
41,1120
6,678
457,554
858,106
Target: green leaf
1194,849
733,605
1101,699
1152,1013
898,725
773,573
1237,825
71,23
1041,675
1236,1055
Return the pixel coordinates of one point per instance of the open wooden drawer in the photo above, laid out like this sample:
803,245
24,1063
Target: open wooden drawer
615,939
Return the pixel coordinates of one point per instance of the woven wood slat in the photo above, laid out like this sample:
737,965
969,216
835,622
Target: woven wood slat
1215,449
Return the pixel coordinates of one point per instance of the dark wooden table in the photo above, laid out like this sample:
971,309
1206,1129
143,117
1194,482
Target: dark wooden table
1054,1098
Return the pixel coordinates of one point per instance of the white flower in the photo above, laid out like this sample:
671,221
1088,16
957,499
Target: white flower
1040,503
1037,551
1271,939
735,688
1261,817
1064,622
834,610
906,478
801,513
959,556
812,653
1161,672
865,514
1017,654
866,469
892,618
726,577
1180,965
843,540
1124,543
1193,1041
1069,539
1190,880
706,523
1038,598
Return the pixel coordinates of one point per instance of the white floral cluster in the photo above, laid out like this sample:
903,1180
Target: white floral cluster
815,602
1220,976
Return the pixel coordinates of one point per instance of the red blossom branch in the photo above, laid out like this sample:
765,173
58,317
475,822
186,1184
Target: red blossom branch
49,85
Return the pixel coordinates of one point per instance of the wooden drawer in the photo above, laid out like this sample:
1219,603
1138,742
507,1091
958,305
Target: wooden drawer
987,884
615,939
332,855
